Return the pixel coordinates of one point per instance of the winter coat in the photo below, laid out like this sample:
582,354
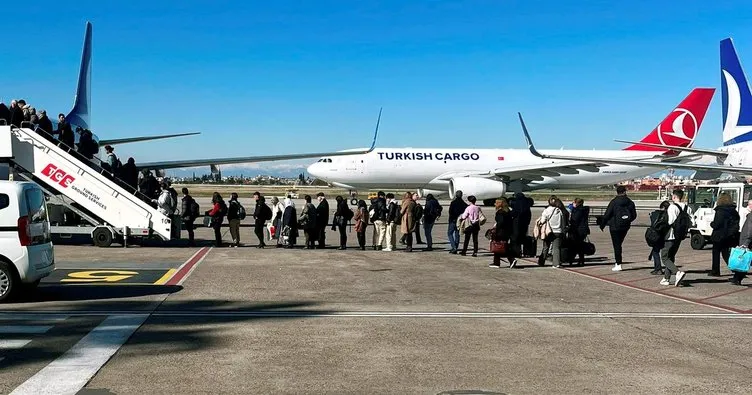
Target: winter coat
164,203
233,210
408,216
16,116
46,125
322,214
65,134
456,208
307,218
361,220
393,212
578,223
290,218
339,214
129,174
504,225
380,209
432,206
725,225
185,208
620,204
553,218
745,239
4,113
521,217
216,213
258,211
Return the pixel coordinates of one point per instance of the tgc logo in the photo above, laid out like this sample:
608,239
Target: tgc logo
57,175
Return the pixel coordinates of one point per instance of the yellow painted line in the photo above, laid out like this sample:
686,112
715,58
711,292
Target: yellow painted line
167,276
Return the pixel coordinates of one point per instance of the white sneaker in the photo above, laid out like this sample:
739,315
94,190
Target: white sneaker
616,268
556,266
679,276
665,282
386,249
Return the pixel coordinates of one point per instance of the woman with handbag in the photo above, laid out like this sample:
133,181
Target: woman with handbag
552,224
500,234
472,219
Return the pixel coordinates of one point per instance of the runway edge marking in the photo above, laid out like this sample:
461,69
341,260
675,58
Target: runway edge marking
679,298
185,270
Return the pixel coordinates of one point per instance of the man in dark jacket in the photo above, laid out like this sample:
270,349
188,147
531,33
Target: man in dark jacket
578,231
16,114
129,173
431,212
259,218
4,114
378,219
725,234
521,217
322,218
45,124
456,208
64,132
187,215
619,216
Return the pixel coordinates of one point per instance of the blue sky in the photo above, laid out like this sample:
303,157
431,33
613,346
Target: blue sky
276,77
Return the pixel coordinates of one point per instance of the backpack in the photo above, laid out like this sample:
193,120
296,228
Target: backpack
437,210
241,211
195,210
349,214
266,212
222,209
418,212
655,233
622,217
682,223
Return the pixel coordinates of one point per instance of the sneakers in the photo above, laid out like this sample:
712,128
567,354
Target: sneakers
513,264
616,268
665,282
493,265
386,249
679,276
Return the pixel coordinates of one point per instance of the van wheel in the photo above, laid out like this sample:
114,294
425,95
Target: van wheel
697,241
8,281
102,237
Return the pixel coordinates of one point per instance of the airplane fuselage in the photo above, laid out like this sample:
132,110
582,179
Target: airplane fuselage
432,168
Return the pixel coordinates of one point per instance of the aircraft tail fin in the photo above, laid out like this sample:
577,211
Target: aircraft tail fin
80,114
737,99
681,125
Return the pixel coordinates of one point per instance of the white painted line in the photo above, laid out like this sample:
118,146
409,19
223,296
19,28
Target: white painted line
32,317
13,344
24,329
73,370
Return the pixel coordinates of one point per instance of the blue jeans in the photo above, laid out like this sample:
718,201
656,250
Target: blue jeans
427,228
454,236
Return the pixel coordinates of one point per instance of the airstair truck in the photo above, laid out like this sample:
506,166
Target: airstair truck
110,209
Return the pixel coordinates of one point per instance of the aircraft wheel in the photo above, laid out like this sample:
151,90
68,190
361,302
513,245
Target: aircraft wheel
353,202
697,241
102,237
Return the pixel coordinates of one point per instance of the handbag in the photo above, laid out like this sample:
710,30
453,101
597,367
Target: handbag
498,247
739,260
481,218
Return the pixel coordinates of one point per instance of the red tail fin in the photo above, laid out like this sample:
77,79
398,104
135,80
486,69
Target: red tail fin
680,127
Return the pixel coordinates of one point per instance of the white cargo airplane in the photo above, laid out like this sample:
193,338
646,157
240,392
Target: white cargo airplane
80,115
735,157
489,173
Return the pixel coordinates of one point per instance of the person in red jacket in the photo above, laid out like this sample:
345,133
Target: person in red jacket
217,214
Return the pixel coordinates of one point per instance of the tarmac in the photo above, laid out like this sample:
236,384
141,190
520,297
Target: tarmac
158,319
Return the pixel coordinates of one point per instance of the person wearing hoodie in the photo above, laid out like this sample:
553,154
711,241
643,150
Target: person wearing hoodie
725,234
289,224
217,214
521,218
456,208
233,217
361,222
619,215
671,246
578,230
407,215
552,218
431,213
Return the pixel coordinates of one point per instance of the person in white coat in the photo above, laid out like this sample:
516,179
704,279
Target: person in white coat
551,219
164,202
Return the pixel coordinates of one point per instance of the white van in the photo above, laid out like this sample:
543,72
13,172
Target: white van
26,252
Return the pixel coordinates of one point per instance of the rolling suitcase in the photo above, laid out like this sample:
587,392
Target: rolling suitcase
529,247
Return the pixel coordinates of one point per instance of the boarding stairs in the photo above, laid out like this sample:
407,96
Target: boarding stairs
115,209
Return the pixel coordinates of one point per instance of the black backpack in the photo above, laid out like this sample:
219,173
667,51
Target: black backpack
655,233
418,212
682,223
194,209
349,214
266,212
622,217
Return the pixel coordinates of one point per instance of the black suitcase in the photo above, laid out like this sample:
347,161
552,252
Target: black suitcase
530,247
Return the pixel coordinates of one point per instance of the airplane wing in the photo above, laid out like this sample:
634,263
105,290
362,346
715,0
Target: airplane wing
176,164
143,138
721,154
633,162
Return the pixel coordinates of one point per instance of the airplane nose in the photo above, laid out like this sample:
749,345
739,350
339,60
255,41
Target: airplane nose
314,170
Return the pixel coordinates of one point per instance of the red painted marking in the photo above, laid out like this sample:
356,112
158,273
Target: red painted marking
726,293
650,291
641,279
186,267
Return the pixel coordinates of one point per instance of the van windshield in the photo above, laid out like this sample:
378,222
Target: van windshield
35,203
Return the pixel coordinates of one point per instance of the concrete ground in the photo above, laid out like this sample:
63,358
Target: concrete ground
247,320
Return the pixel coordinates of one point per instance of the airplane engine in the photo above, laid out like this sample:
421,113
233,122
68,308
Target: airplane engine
422,193
481,188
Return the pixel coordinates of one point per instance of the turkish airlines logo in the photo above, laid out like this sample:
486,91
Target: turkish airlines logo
679,129
58,176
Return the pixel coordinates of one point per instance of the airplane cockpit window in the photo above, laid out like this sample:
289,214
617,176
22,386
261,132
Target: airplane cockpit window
329,161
